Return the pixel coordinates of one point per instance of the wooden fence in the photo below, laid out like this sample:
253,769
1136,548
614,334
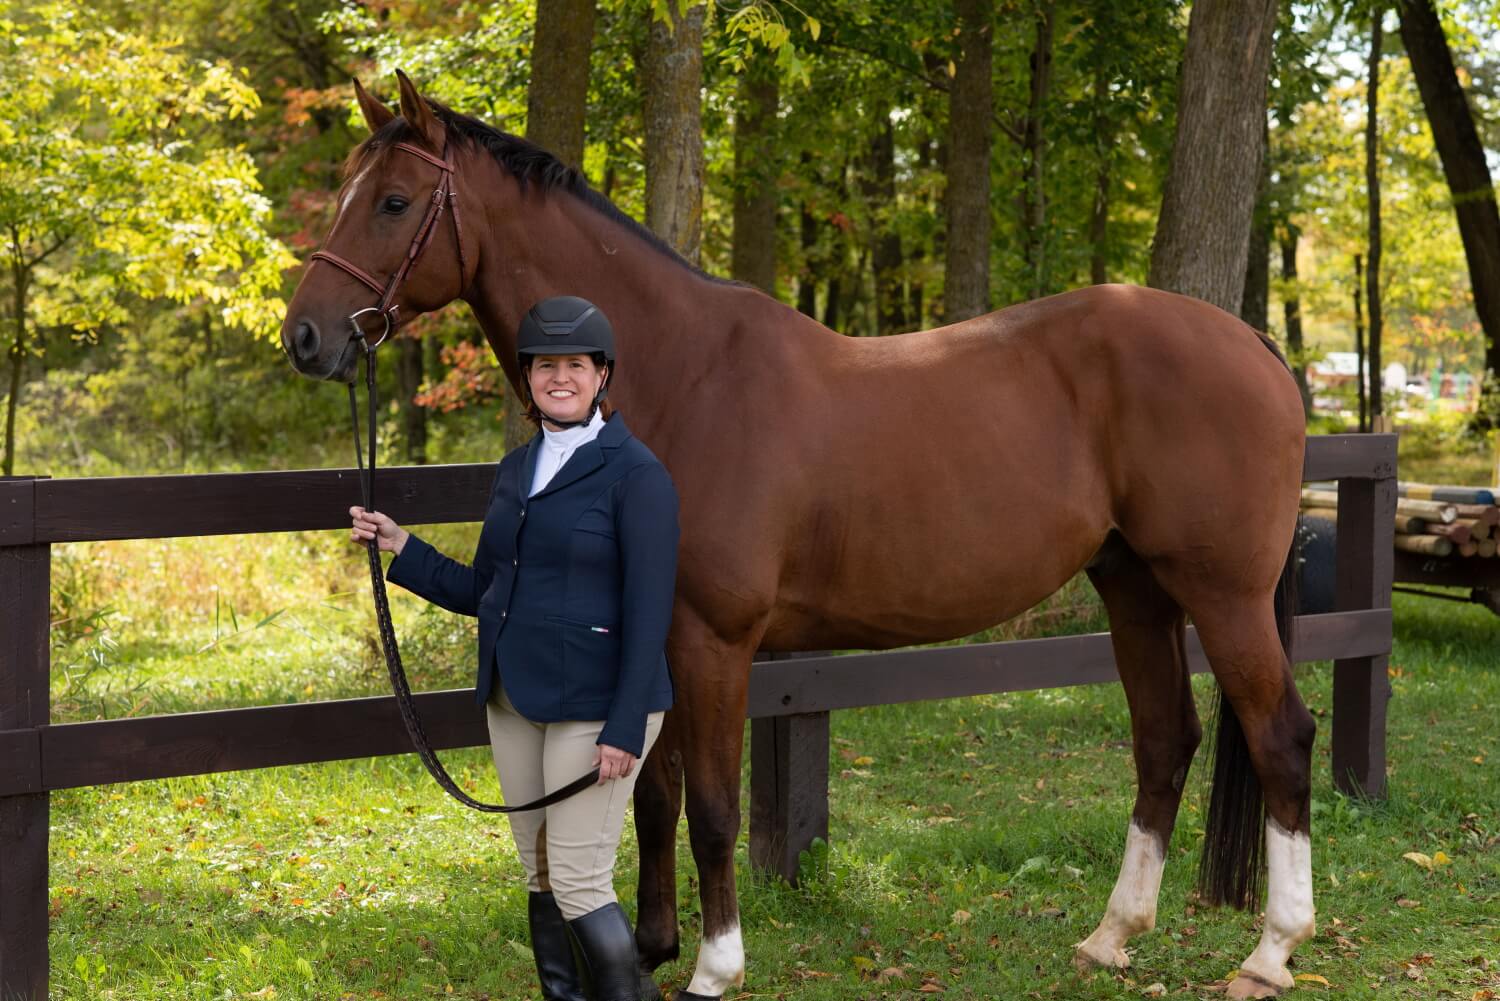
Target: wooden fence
790,698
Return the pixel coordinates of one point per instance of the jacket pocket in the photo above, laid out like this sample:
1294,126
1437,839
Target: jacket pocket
591,660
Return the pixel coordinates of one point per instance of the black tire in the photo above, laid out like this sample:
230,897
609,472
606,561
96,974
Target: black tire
1316,574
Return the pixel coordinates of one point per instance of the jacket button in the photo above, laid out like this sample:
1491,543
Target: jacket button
503,613
515,562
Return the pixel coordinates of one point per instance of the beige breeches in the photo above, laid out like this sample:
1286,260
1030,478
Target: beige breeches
569,848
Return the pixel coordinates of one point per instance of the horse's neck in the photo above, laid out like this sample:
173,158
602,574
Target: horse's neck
673,326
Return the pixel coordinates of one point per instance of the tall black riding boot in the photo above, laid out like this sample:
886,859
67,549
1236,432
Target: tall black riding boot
553,950
606,945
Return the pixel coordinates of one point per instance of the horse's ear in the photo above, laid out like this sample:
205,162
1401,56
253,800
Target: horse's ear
376,114
419,115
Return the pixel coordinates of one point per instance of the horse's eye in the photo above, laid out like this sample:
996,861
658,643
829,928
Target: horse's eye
394,205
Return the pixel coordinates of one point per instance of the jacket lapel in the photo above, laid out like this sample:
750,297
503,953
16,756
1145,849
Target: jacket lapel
587,458
528,468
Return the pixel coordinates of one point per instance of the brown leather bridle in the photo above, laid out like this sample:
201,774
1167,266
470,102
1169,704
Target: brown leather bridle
445,193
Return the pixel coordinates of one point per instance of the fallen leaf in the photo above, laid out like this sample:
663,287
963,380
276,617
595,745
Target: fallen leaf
1311,978
864,759
960,916
1156,990
1425,861
890,973
1408,902
1441,858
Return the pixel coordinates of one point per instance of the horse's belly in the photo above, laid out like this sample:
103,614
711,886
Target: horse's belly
929,593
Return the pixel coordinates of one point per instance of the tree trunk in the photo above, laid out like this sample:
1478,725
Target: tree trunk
966,290
1359,340
1103,159
1203,233
879,190
1291,311
807,277
833,303
673,83
432,360
1033,155
1464,164
753,254
408,382
558,94
20,278
1372,184
1255,299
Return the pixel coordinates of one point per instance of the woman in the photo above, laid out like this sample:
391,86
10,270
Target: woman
572,582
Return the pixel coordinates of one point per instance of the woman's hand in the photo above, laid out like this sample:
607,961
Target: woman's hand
374,525
613,763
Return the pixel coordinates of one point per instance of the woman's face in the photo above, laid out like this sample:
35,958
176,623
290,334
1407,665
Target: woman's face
564,385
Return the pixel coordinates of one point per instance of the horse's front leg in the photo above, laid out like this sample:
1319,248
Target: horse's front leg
658,805
712,679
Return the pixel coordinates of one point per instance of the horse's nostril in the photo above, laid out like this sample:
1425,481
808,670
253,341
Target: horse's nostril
305,342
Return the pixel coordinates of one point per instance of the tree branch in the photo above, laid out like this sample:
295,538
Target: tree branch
61,240
879,57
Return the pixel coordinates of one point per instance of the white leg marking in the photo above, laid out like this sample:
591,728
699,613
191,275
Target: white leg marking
1289,908
721,962
1132,905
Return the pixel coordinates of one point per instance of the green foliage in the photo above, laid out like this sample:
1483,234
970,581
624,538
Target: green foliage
102,177
1320,156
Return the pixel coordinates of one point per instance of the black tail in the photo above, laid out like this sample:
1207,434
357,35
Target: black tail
1234,834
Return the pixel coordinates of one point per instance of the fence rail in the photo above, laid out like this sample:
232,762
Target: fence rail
790,698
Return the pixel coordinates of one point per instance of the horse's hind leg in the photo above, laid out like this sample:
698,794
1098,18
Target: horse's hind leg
658,806
1265,727
1146,627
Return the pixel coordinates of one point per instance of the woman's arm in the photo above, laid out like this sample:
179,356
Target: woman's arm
423,570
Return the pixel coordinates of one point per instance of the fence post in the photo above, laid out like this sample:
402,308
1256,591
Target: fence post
1364,562
788,786
25,584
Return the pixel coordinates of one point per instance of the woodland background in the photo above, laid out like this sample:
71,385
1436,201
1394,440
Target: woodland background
882,166
885,166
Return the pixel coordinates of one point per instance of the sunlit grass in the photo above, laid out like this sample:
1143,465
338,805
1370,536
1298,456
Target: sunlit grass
974,847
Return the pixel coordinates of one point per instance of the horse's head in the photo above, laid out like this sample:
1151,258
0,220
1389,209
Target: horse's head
396,248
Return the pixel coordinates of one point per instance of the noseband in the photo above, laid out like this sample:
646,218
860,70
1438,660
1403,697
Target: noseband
444,193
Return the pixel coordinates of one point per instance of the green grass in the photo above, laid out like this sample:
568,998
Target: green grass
978,843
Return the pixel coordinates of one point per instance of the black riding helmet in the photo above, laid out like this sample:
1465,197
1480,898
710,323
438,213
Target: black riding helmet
566,325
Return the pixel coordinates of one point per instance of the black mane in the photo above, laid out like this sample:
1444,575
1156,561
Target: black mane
530,164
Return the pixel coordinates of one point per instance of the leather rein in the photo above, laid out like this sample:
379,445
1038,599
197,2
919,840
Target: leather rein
443,194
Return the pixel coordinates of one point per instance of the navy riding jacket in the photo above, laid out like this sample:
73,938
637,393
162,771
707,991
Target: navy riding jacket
573,587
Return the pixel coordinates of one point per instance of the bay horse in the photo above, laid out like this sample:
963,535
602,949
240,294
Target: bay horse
841,492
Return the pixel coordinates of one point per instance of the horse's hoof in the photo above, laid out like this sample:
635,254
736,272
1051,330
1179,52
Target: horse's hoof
683,994
1251,985
649,990
1086,961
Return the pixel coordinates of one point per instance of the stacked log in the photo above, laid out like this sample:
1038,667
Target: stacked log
1431,519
